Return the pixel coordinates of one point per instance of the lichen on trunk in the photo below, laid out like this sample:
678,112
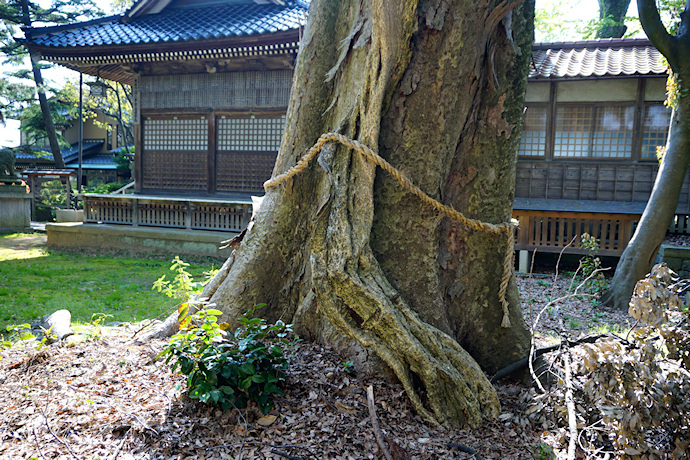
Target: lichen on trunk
418,85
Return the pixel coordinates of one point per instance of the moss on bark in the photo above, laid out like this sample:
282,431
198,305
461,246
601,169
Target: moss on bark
419,85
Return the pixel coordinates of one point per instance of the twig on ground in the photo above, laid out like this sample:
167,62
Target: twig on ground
558,266
570,405
119,449
56,436
284,455
530,361
257,443
38,446
575,293
375,424
150,323
529,285
463,448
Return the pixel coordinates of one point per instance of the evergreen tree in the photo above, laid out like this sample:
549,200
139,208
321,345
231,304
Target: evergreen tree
16,14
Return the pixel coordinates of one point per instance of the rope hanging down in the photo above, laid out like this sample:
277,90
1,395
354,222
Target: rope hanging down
496,229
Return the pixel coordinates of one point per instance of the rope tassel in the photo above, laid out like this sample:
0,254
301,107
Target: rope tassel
448,211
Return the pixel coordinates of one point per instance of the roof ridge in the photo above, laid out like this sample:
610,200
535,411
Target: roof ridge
31,32
593,43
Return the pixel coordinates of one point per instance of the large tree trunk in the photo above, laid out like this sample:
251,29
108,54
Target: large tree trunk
640,253
612,18
351,256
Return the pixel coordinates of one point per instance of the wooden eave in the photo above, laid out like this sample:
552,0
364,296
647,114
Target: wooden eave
114,62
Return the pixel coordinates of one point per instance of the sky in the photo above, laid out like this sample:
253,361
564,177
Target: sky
574,10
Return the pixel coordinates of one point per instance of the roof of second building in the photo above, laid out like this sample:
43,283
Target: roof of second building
595,59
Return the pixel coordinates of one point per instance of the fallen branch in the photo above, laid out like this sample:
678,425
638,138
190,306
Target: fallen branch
570,405
257,443
463,448
38,446
575,293
521,364
375,424
119,449
284,455
56,436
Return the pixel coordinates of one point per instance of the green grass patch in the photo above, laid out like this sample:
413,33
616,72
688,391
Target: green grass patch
45,281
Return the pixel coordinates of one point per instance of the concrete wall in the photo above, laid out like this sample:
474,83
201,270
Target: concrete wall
138,240
15,208
677,258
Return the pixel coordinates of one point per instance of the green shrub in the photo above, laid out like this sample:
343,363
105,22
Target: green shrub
229,370
590,263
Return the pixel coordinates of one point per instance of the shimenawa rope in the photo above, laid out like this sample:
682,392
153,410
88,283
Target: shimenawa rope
506,227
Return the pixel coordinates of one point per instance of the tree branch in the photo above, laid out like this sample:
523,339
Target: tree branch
655,30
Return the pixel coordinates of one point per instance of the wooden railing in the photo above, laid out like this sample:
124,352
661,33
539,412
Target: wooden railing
551,225
552,231
172,212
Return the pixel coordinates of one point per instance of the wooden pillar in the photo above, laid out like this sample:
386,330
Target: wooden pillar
69,192
138,154
211,159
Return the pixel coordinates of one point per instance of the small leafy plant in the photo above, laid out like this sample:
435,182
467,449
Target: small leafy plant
590,263
182,285
229,370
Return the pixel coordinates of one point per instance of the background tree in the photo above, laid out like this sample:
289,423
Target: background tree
23,13
117,105
33,125
612,18
640,253
356,260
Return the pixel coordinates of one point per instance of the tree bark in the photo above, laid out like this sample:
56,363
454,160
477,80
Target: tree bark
612,18
351,257
639,255
42,99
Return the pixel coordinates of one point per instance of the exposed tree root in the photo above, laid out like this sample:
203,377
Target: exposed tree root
355,296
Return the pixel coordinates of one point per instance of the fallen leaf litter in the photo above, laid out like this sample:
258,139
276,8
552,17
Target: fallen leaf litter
111,399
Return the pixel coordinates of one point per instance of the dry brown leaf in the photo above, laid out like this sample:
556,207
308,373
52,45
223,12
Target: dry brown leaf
267,420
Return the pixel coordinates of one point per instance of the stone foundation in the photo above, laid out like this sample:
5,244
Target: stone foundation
15,209
138,240
677,258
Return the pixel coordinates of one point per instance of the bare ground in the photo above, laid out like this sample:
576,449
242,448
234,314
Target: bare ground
109,398
103,397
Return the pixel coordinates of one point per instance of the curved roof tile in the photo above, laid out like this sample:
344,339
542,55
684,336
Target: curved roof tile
174,25
595,58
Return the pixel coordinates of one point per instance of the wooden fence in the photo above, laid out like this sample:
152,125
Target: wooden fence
172,212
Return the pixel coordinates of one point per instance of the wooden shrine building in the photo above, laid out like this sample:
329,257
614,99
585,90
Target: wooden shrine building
593,120
211,82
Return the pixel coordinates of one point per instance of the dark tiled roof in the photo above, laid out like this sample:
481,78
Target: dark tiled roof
90,145
99,160
595,58
176,25
69,154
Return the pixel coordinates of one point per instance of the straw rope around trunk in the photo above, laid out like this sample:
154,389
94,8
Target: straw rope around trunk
448,211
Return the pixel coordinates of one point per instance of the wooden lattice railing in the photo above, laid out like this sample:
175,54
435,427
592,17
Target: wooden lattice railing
172,212
552,231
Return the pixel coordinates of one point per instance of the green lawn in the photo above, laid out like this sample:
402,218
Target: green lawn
35,282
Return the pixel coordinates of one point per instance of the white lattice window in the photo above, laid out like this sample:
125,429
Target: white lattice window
654,129
176,134
252,134
591,131
533,139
